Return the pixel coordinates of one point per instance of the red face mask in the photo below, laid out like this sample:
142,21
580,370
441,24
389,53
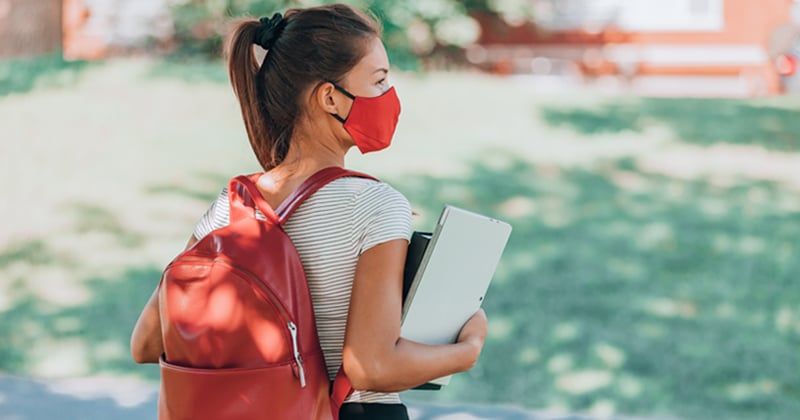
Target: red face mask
372,121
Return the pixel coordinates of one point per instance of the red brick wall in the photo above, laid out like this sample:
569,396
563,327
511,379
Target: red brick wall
746,22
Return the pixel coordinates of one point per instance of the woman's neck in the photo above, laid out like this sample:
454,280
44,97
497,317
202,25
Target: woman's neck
306,156
314,146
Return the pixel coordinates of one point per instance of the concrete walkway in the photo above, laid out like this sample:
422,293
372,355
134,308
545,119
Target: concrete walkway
104,398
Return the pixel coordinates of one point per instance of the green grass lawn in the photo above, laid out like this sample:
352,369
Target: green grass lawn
653,268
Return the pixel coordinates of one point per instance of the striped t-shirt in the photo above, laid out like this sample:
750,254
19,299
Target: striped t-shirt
330,230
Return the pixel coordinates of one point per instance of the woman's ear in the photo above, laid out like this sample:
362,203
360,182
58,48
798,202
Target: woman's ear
326,98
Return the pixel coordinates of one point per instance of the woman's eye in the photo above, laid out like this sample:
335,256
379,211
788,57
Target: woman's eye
381,82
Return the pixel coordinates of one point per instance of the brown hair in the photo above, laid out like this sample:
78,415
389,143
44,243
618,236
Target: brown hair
312,45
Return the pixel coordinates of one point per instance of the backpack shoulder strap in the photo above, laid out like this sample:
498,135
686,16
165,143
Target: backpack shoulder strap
310,186
341,388
244,197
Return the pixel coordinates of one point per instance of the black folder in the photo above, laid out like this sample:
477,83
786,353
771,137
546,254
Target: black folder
416,250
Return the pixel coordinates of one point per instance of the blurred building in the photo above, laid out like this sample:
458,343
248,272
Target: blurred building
674,47
82,29
97,28
702,47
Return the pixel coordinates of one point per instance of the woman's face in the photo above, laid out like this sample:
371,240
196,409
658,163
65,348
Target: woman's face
369,78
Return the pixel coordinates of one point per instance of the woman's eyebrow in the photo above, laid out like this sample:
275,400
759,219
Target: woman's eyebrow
381,69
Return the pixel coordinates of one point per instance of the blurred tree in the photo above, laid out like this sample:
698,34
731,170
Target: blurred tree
200,25
29,28
415,31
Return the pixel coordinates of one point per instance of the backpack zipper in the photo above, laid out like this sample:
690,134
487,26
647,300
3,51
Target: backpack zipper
275,302
297,357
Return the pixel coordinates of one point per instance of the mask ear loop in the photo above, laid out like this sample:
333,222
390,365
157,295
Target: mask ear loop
345,93
343,90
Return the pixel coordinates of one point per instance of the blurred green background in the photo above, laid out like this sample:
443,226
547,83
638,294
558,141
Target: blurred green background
652,270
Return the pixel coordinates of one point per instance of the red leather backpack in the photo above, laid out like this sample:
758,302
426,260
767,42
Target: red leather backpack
240,339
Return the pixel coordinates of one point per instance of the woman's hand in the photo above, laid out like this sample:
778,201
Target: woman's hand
474,333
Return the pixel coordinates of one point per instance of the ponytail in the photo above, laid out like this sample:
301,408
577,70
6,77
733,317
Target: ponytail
243,70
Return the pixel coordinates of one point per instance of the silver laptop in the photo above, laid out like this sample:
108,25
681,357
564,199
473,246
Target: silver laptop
455,266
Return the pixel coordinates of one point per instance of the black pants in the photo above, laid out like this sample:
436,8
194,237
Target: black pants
358,411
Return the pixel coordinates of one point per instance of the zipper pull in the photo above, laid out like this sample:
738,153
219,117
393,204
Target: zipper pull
297,358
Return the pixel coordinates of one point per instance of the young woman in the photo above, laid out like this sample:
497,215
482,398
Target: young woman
321,89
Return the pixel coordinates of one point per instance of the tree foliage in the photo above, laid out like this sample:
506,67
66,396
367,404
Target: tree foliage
413,29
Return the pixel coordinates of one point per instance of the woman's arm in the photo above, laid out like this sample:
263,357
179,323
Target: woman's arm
146,345
375,357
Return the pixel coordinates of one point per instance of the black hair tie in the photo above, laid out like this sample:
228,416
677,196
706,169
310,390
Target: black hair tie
269,31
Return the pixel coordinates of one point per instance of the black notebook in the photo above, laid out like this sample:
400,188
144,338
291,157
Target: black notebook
416,250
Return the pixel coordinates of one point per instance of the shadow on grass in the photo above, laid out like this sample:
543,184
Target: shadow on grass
31,251
632,292
93,334
100,328
92,218
620,291
698,121
23,75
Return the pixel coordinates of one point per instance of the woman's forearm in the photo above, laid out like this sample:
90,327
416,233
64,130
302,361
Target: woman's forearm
409,364
412,364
